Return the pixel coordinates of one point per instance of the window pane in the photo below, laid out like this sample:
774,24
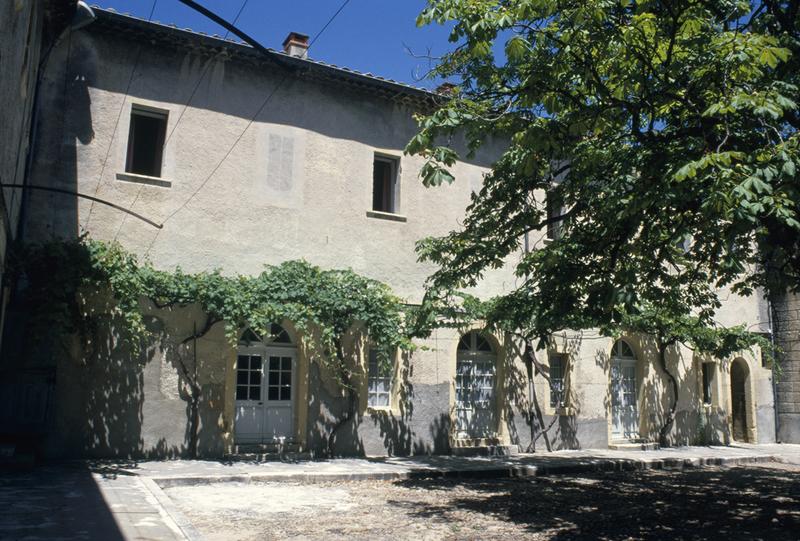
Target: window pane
274,363
241,392
286,378
279,334
255,378
255,393
241,377
707,374
274,378
249,337
286,393
483,344
243,362
255,362
286,364
274,393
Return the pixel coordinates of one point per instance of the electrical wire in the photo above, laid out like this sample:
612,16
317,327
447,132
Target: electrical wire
183,111
247,126
116,124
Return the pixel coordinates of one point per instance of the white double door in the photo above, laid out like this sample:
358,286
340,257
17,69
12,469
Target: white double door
624,409
265,387
475,398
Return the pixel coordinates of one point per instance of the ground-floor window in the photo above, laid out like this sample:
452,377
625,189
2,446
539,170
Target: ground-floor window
558,365
708,378
379,381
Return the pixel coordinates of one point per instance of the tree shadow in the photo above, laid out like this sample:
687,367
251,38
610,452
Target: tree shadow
737,503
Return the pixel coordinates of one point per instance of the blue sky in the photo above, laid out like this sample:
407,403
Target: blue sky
368,35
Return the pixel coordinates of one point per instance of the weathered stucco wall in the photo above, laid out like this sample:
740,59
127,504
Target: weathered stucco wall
242,217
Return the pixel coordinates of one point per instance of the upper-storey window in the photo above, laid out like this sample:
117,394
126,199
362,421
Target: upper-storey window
384,184
146,141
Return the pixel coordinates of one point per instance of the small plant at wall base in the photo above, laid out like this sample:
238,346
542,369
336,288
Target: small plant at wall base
62,279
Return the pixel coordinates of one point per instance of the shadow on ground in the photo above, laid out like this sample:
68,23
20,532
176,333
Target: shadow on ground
54,503
710,503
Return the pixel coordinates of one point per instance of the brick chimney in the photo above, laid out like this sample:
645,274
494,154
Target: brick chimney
296,44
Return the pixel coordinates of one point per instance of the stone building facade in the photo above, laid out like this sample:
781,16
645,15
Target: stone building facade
317,172
787,338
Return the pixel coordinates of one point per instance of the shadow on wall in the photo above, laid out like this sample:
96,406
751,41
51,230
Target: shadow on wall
693,424
398,430
391,431
66,124
527,432
114,402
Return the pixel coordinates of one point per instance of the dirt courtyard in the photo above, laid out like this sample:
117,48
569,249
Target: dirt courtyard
745,502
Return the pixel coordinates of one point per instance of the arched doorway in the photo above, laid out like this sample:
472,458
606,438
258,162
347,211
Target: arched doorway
266,379
624,407
475,405
739,373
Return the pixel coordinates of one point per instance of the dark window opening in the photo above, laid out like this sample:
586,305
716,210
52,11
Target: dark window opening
708,376
146,142
384,184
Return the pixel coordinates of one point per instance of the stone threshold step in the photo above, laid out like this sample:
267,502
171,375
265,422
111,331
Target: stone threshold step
634,445
287,456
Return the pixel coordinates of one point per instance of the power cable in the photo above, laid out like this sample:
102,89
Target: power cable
183,111
116,124
247,126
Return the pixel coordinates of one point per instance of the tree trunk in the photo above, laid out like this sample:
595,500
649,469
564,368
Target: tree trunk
351,397
669,420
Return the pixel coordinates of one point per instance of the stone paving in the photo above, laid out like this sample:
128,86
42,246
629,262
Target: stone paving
125,500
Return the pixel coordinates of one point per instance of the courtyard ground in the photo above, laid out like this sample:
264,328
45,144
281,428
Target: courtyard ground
740,502
741,492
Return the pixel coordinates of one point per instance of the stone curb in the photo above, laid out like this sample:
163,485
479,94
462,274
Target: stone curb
171,510
492,472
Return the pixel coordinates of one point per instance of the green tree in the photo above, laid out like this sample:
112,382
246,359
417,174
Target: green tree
666,129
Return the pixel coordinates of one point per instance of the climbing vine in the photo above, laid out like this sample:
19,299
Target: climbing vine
60,276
